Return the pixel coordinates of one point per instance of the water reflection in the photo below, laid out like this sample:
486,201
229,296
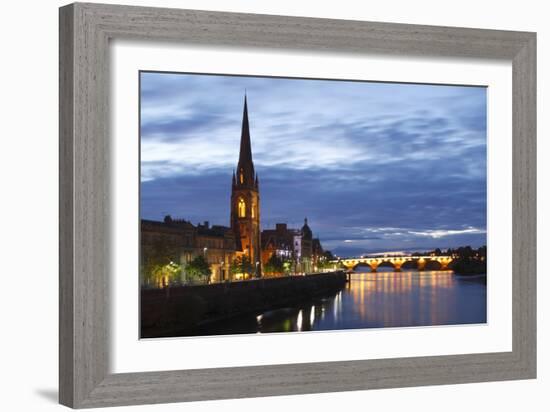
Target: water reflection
374,300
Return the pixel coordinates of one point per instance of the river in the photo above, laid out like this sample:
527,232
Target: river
376,300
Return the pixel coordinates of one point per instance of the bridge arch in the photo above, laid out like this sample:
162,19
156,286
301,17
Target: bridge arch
433,265
409,264
395,266
362,265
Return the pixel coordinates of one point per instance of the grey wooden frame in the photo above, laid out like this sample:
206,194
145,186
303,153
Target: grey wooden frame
85,31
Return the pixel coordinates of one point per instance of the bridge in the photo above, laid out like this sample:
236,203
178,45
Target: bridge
396,262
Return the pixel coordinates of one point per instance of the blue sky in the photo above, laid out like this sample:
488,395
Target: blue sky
373,166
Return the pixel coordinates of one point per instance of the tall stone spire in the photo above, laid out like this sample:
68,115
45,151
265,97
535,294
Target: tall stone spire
245,167
245,203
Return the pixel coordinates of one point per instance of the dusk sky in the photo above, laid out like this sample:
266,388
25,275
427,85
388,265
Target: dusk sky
373,166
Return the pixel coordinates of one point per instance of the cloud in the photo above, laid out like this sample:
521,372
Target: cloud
381,165
436,234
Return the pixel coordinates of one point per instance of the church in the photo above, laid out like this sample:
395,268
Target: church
178,240
245,201
296,245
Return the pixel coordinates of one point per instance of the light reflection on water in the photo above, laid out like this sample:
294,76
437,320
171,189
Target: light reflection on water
374,300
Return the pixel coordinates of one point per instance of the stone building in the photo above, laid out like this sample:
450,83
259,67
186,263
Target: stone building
177,241
245,201
278,241
219,247
296,246
162,244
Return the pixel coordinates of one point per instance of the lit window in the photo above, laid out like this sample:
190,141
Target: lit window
242,208
253,211
241,176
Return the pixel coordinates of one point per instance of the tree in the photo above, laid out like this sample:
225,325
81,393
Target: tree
198,268
274,264
242,265
327,254
482,252
469,261
158,267
287,266
164,275
326,260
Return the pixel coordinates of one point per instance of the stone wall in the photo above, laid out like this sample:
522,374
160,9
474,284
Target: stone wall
166,311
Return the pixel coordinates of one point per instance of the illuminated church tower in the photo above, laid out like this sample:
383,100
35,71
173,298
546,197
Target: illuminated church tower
245,201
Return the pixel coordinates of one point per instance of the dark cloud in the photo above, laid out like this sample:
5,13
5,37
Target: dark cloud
373,166
174,129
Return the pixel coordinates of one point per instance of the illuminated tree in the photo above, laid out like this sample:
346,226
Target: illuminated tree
198,268
165,275
242,265
158,265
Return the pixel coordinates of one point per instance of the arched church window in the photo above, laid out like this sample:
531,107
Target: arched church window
253,210
242,207
241,176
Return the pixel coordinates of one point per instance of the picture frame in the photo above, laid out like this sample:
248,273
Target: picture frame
84,353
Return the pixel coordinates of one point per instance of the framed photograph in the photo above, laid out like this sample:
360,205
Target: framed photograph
256,205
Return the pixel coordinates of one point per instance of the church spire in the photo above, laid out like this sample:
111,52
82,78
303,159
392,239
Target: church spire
245,201
245,167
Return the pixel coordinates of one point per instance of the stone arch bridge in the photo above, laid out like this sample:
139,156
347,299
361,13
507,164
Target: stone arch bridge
397,262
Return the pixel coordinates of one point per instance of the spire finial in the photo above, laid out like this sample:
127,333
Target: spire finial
245,165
